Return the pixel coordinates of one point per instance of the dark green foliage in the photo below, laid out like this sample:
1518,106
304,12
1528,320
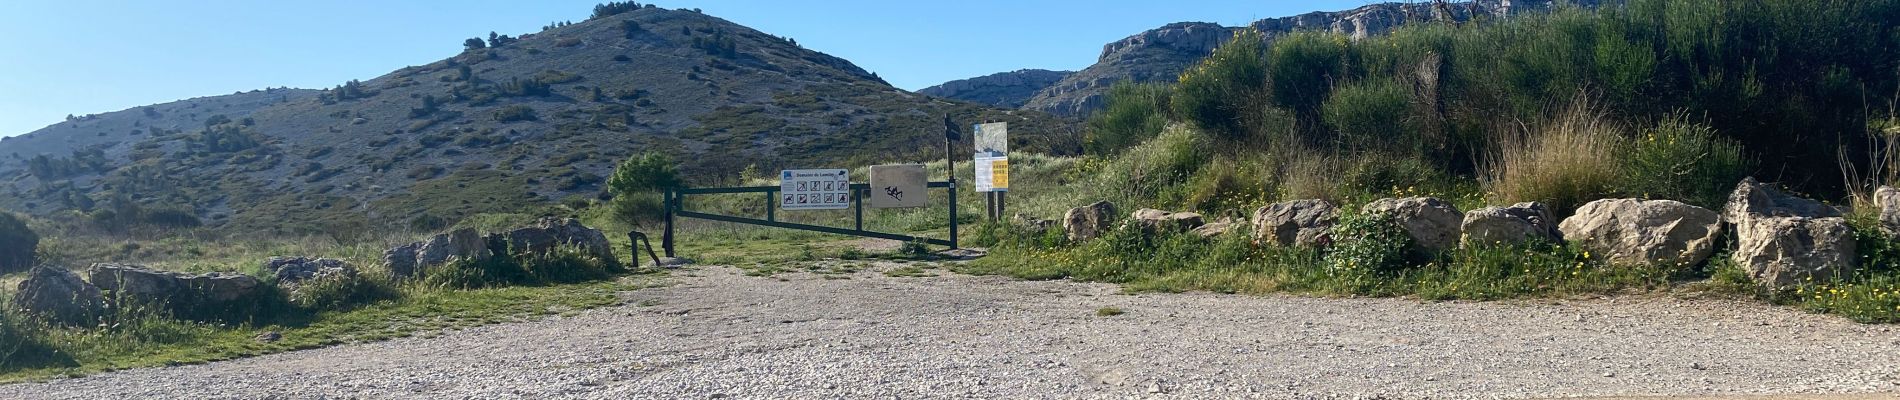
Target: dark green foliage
342,291
1366,245
631,29
563,265
636,185
613,8
1678,160
719,44
1371,115
17,244
473,44
347,91
1214,94
81,162
1135,113
429,107
1304,67
514,113
516,87
498,40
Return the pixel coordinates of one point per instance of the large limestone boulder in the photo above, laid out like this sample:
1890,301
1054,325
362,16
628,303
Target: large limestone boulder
1216,229
58,295
1782,251
1152,221
179,291
1432,223
1782,239
1888,199
1295,223
1518,223
1635,231
1756,199
1088,222
460,244
550,233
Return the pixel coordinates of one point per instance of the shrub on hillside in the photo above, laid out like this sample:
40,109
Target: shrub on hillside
17,244
1135,113
1367,245
1372,115
637,184
511,113
1682,161
1304,66
342,291
1214,94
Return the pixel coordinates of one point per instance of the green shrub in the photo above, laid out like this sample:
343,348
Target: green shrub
565,264
17,244
1214,94
337,292
1372,115
1678,160
1568,162
1135,112
1366,246
1304,66
637,185
511,114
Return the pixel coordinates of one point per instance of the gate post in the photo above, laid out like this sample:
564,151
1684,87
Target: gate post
953,210
667,201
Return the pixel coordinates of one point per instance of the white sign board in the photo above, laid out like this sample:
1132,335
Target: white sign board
897,186
814,189
992,157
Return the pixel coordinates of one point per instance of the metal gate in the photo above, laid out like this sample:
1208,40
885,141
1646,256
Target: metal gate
675,209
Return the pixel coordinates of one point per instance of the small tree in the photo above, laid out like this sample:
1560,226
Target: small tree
1213,94
473,44
17,243
637,185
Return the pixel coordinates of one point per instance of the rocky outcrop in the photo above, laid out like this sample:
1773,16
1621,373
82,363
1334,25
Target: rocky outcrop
1153,222
291,272
1518,223
1432,223
1003,89
460,244
1216,229
1088,222
58,295
185,293
548,234
1635,231
1295,223
1888,199
1782,239
1161,54
1782,251
1755,199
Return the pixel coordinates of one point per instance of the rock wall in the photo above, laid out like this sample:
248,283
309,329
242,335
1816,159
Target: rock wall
1003,89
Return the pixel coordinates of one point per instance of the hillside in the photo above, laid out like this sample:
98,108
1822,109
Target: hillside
503,127
1003,89
1161,54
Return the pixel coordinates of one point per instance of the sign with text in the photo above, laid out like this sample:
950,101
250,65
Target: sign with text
814,189
992,157
897,186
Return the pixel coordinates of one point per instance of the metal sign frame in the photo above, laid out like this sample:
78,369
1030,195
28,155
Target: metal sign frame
675,209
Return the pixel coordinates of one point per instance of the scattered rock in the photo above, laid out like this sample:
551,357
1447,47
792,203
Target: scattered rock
183,293
1088,222
1432,223
268,337
1215,229
291,271
1888,199
674,262
1782,239
1038,226
57,294
1295,223
1518,223
461,244
550,233
1756,199
1152,221
359,121
1635,231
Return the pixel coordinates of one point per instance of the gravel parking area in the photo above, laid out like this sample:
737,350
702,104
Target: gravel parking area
720,334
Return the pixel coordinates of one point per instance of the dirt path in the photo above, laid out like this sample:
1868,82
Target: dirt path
720,334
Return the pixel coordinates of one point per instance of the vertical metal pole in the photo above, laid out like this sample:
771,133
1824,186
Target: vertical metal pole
670,202
857,201
989,206
1002,205
953,212
771,208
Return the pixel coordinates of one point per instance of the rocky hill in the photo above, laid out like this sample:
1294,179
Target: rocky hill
1003,89
1159,55
506,125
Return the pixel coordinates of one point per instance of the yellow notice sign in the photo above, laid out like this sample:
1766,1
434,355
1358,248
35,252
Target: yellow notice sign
999,175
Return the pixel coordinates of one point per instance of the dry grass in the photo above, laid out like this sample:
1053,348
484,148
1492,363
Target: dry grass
1564,163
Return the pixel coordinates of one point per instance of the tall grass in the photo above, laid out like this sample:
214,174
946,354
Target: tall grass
1569,161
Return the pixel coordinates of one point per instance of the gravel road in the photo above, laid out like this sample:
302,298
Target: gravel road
718,333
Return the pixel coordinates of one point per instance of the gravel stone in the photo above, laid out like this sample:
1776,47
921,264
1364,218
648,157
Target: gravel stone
718,334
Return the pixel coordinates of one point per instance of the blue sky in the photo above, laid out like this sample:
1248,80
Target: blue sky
60,57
